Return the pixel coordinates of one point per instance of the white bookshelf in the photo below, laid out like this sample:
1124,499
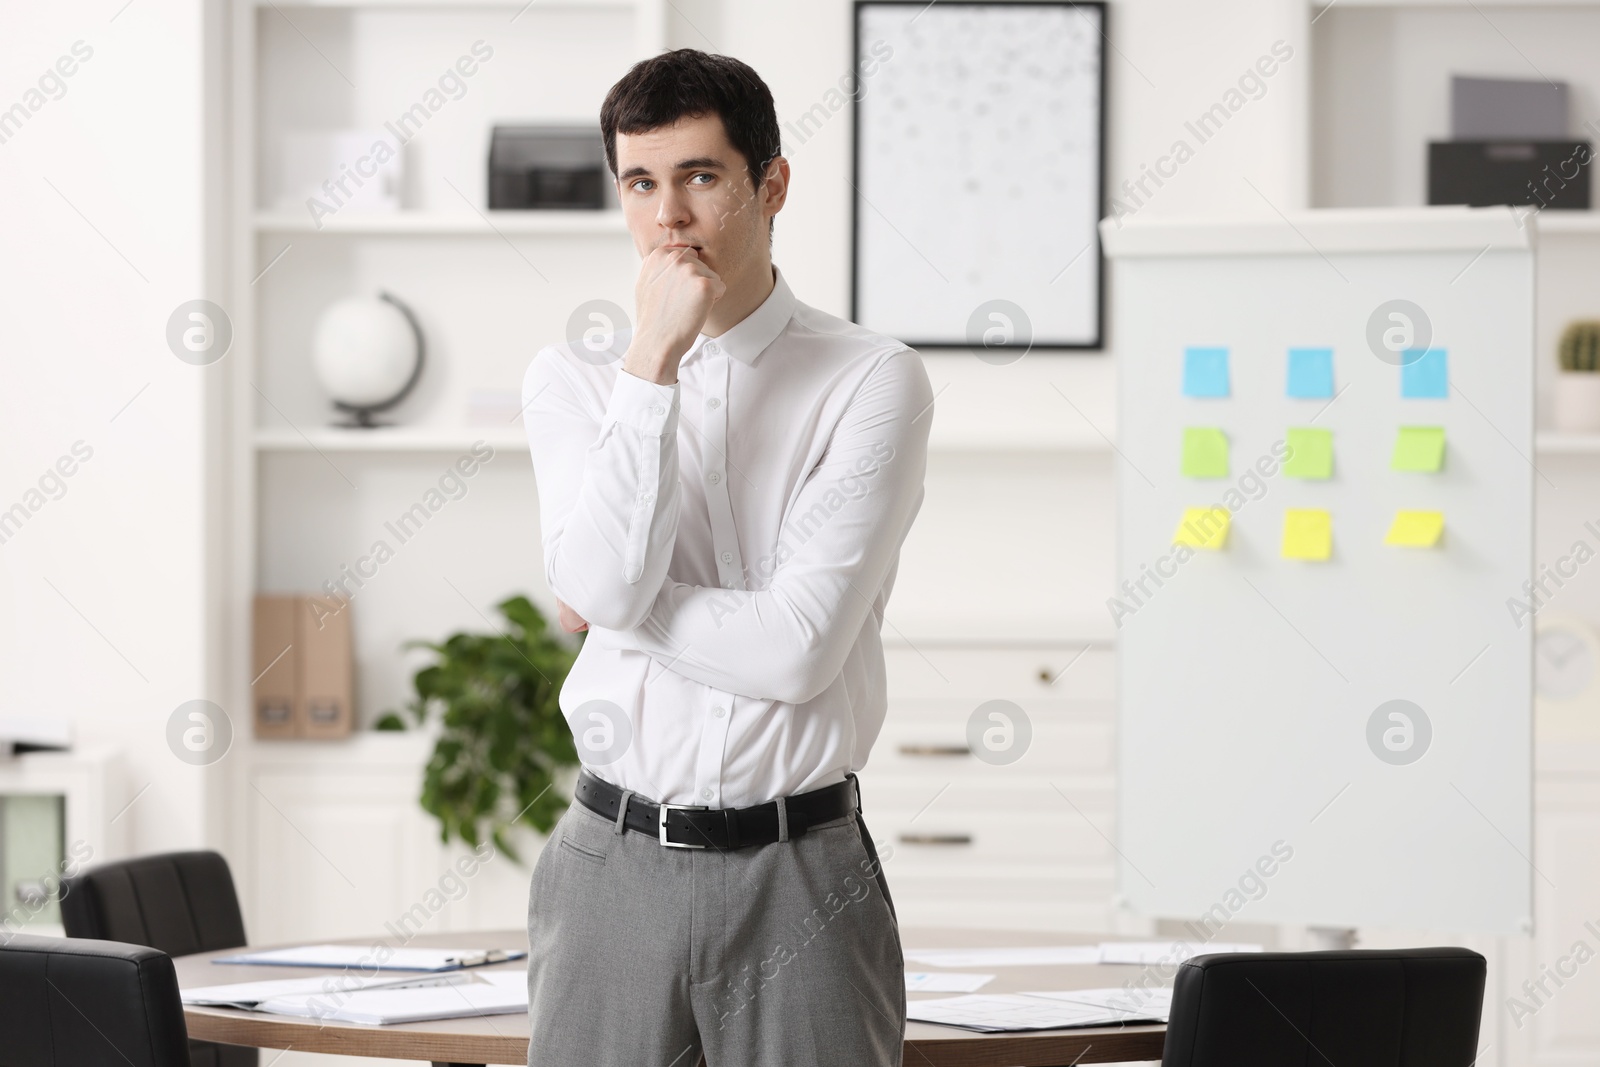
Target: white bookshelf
304,498
447,224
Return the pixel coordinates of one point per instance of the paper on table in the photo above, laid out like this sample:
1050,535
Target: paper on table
1415,529
1205,452
1307,534
1418,448
1136,1003
248,994
382,1007
1140,952
1003,957
367,958
507,979
945,981
1202,528
1000,1012
1310,453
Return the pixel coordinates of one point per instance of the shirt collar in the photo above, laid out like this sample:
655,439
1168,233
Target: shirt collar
752,335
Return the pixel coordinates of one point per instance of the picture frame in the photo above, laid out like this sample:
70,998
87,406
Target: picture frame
949,251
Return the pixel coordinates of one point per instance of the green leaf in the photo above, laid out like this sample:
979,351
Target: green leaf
502,733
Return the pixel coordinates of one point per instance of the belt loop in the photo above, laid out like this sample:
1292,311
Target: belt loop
855,785
783,820
622,811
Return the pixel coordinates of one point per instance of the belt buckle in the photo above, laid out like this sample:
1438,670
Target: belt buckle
661,823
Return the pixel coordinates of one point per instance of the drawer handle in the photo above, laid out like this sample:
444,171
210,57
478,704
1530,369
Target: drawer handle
935,750
936,839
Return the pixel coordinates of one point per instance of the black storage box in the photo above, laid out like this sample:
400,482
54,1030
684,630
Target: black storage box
1545,174
550,167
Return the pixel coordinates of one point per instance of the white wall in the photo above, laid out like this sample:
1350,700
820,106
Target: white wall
104,609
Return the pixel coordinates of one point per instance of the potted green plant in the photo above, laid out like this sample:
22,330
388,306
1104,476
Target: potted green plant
1577,407
503,741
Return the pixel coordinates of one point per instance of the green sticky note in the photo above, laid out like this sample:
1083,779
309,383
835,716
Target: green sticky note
1205,452
1418,448
1310,453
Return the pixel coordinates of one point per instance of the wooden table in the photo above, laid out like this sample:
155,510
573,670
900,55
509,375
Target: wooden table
504,1038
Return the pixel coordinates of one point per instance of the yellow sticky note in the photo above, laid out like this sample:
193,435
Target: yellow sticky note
1205,452
1416,529
1202,528
1418,448
1307,534
1310,453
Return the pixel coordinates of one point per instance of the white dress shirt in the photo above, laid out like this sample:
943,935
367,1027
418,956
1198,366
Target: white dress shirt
731,540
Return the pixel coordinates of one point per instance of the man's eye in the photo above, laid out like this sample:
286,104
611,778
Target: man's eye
703,175
641,181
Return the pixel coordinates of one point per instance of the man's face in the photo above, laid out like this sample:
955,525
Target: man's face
685,184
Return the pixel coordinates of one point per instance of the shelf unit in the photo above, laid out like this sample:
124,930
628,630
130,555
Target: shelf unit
303,498
458,224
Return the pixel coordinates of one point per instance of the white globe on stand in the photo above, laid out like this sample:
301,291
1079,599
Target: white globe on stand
363,351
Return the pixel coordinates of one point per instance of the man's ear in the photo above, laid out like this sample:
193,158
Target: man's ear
775,187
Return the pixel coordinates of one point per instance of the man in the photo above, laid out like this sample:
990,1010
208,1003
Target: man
723,492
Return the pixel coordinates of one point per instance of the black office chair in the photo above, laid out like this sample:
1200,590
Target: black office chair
178,902
70,1002
1417,1007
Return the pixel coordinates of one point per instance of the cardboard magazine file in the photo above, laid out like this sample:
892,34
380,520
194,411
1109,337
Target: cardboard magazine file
304,674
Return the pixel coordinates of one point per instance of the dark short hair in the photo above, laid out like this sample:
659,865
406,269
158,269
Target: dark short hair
687,83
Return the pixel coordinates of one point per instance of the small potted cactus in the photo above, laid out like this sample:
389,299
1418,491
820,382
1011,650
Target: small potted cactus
1578,388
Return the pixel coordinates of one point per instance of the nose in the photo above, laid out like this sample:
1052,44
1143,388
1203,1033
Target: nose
672,209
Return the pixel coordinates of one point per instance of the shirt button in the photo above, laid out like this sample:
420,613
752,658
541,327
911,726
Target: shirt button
719,711
659,410
727,557
711,347
705,794
714,477
713,403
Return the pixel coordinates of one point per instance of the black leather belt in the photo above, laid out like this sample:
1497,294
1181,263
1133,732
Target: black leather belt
695,826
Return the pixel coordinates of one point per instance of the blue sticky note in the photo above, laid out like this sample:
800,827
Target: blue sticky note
1425,375
1311,372
1205,372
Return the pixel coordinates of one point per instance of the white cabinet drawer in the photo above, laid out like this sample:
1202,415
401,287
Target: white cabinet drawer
979,674
930,737
989,822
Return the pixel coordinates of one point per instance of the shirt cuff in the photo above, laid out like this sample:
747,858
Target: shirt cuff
641,404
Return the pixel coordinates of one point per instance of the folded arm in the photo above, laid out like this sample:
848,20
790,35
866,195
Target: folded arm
608,488
837,547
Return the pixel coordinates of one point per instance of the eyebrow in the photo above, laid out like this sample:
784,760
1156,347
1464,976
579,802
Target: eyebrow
698,163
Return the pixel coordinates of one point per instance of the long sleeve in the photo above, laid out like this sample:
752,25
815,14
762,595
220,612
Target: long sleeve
608,489
839,542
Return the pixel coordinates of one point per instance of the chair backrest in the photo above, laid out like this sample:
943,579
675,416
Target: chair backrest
178,902
69,1002
1417,1007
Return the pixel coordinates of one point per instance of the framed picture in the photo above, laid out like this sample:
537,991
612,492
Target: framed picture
978,174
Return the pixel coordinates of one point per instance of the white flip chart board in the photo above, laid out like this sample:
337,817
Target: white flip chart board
1258,712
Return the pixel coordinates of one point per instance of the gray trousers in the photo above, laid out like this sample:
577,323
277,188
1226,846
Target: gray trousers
780,955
